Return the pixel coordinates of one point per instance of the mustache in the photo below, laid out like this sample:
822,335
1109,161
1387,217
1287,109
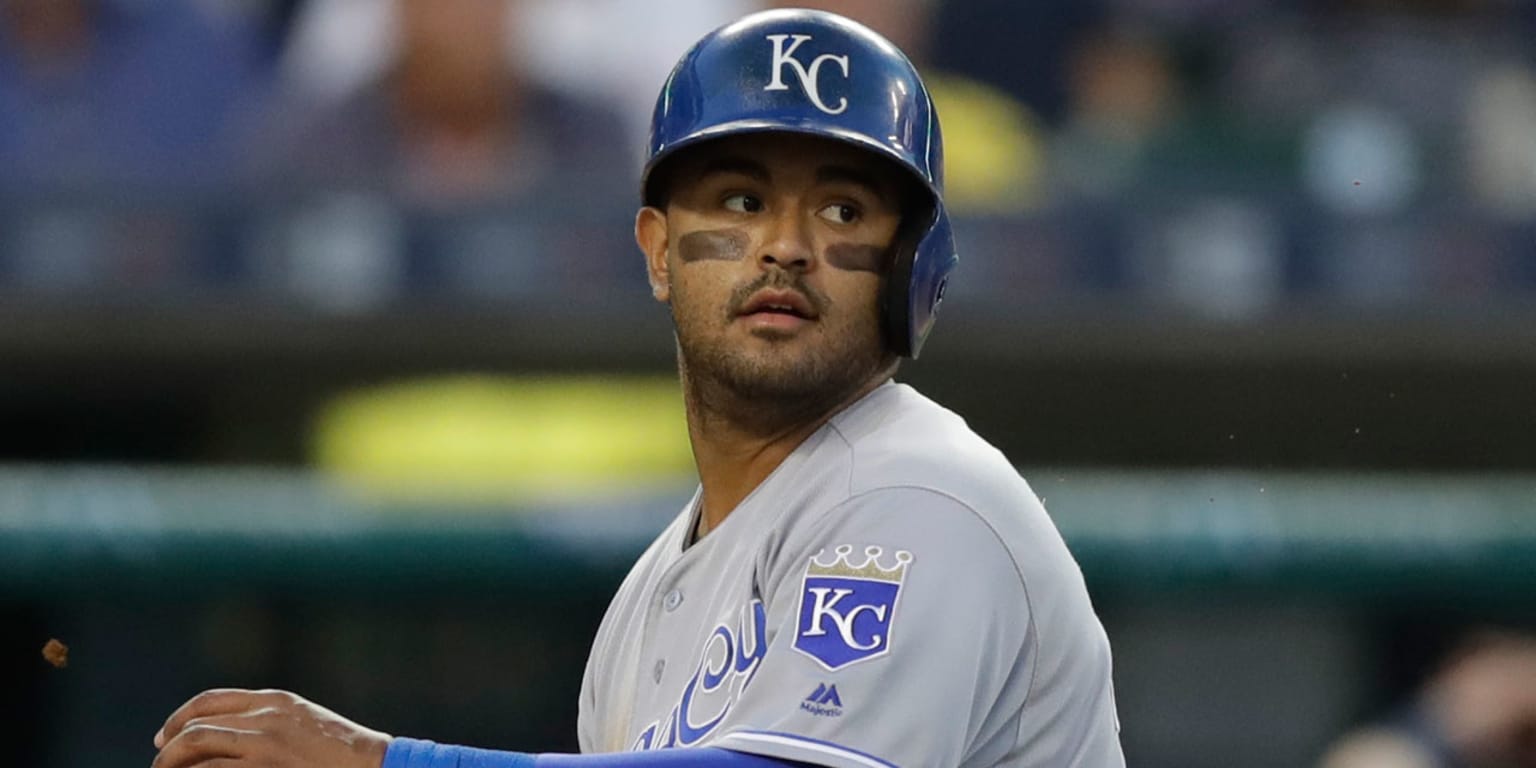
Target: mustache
775,278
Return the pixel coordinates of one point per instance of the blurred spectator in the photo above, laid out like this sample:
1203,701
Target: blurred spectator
275,20
407,150
1479,711
1125,95
1499,140
1359,159
429,100
618,52
1219,257
993,158
1021,48
116,91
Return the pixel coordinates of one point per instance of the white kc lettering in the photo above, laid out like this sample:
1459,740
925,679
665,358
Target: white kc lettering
808,75
825,608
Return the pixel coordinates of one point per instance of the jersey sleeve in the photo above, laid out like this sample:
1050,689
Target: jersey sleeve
901,633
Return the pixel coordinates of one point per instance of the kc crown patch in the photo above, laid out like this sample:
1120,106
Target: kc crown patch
847,610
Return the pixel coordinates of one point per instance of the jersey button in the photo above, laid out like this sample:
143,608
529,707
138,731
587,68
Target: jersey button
673,600
660,667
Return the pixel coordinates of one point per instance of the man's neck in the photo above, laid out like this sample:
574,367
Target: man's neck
735,452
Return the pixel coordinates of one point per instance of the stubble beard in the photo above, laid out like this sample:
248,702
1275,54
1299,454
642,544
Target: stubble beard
768,390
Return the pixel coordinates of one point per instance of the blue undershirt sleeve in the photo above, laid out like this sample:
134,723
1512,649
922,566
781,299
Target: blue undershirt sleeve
418,753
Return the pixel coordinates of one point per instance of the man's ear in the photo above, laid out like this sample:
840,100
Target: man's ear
651,236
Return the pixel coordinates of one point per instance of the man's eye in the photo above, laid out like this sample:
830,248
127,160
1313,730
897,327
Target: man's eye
743,204
841,213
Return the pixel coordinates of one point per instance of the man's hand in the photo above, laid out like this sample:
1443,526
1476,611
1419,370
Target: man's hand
229,728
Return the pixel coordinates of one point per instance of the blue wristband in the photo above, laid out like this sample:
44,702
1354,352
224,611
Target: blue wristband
420,753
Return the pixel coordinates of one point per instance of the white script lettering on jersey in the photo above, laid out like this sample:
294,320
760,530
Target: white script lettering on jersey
730,657
859,602
809,76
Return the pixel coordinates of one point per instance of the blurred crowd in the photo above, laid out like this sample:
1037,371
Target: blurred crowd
1477,710
1223,156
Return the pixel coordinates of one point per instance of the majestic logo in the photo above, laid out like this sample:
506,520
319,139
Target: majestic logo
846,610
824,702
810,77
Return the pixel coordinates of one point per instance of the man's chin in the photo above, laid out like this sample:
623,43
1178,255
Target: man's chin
782,367
777,336
790,377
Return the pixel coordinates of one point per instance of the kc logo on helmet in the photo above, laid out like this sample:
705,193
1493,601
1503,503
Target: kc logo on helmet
809,76
847,610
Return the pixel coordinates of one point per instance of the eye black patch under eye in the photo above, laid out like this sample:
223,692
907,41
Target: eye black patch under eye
712,245
860,258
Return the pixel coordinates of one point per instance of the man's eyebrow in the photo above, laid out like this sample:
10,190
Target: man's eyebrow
736,164
832,174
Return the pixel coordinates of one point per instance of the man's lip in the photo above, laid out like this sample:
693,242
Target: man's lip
779,321
769,299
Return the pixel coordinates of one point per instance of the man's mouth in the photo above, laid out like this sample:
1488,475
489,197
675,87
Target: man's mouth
777,310
780,302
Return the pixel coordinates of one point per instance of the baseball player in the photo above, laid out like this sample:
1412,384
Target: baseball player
859,581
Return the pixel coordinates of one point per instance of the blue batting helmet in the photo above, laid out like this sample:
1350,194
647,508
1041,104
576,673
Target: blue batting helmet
818,73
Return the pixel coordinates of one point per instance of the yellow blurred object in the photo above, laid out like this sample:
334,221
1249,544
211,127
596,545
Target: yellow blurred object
483,438
993,155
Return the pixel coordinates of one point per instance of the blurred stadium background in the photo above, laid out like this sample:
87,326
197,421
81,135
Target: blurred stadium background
327,361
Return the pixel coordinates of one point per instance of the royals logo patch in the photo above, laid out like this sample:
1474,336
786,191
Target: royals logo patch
847,610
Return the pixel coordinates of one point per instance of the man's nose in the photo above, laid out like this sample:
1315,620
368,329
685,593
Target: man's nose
788,242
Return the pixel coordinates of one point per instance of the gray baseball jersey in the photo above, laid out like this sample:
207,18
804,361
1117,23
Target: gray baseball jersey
892,595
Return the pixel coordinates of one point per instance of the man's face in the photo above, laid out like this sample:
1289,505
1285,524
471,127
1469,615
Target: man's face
773,251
